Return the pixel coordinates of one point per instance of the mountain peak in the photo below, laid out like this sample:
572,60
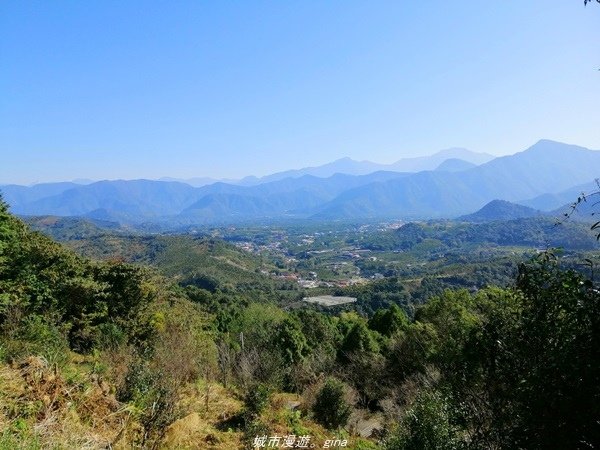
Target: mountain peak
453,151
500,210
547,145
454,165
344,159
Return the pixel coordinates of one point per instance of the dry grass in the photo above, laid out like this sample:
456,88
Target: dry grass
40,409
207,406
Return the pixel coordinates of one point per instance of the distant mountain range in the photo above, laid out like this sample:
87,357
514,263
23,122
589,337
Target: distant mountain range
448,184
546,167
551,201
349,166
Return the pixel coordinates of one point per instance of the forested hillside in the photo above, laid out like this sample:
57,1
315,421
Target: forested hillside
113,355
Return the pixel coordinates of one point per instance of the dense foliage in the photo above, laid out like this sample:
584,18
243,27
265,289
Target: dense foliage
499,367
143,335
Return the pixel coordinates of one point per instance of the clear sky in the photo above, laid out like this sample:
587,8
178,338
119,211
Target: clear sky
145,89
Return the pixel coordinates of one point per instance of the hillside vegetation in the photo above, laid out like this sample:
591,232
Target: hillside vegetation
113,355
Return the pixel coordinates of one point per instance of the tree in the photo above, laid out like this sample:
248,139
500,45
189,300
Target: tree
3,205
291,341
359,339
390,321
560,353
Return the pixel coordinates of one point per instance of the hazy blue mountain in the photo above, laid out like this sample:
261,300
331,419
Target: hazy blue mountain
195,182
549,202
290,196
216,206
431,162
202,181
17,195
454,165
126,200
546,167
424,194
349,166
346,166
588,210
330,186
501,210
143,200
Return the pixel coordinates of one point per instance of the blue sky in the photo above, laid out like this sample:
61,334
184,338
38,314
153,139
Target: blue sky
126,89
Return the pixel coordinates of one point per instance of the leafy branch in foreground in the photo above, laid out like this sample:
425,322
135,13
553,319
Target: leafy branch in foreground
582,199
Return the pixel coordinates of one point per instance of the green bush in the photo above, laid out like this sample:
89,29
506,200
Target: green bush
256,400
138,381
37,336
253,429
426,426
109,336
332,408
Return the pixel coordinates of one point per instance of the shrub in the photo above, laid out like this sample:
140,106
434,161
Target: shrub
253,429
256,400
332,408
37,336
159,412
426,425
110,336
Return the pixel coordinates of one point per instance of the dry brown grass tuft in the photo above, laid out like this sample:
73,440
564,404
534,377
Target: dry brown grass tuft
211,401
206,405
43,410
44,384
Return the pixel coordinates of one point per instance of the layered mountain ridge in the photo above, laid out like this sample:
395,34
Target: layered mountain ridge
542,177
